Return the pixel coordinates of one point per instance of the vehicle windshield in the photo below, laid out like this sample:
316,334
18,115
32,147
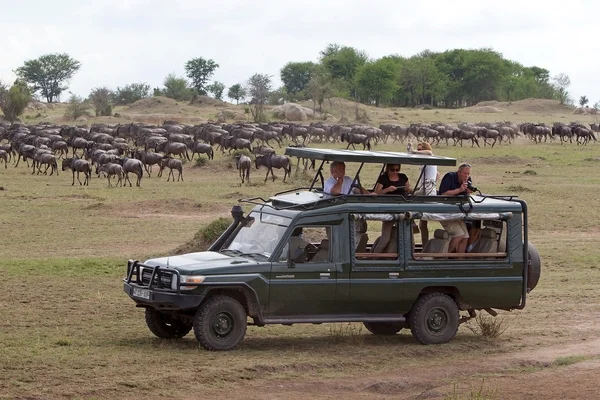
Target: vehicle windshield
259,235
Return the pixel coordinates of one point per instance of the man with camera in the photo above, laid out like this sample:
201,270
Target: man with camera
457,184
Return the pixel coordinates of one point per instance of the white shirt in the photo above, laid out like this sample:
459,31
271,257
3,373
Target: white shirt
430,172
346,185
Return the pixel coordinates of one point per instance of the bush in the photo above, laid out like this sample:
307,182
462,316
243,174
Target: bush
244,152
201,161
13,100
102,99
212,231
488,326
131,93
77,107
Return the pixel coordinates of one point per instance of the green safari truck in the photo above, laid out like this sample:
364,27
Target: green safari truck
304,256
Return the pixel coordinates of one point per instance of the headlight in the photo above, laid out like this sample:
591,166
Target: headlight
196,279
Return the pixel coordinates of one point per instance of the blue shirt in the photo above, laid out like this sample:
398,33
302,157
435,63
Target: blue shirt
450,182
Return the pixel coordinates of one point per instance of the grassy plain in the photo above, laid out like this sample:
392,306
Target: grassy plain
68,331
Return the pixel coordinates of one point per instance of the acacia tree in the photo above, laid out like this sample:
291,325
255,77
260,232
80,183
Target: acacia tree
561,83
102,99
199,70
131,93
259,86
216,88
49,74
236,92
14,99
322,86
176,88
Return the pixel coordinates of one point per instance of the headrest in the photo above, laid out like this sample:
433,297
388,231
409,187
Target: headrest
441,234
489,233
325,243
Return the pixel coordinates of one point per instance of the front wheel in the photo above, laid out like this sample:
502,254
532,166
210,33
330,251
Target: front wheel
166,326
384,328
220,323
433,319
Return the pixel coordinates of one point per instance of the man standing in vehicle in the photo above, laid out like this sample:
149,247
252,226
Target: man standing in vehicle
339,183
457,184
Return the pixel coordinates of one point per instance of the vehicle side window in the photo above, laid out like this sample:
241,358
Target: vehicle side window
485,239
376,237
308,244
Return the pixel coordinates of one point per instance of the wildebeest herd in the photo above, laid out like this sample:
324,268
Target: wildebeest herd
116,151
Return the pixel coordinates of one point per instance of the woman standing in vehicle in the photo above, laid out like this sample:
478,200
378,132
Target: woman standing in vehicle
392,181
428,176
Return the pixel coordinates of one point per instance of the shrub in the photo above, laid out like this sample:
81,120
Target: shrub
201,161
213,230
244,152
13,100
488,326
77,107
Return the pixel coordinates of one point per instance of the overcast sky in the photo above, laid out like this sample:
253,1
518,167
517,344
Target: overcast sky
124,41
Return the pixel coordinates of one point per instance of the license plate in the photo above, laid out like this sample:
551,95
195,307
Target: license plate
141,293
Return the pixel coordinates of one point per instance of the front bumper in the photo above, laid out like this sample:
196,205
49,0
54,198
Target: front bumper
164,300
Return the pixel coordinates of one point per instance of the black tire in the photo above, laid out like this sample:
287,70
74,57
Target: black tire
433,319
384,328
166,326
220,323
535,267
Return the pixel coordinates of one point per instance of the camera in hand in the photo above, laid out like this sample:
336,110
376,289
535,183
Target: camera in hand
471,187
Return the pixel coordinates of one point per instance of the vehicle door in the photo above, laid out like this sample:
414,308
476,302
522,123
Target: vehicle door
376,275
303,279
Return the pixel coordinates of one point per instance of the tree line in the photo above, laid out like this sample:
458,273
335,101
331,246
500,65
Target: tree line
450,79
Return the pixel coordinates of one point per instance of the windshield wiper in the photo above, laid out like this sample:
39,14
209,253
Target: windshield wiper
265,255
237,252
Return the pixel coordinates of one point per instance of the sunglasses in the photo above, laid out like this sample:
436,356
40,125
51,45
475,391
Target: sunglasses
465,165
395,169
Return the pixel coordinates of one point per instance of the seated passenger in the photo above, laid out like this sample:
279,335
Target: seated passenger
339,183
392,181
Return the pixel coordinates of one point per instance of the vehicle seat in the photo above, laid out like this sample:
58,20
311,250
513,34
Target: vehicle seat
322,254
360,236
388,241
487,243
439,243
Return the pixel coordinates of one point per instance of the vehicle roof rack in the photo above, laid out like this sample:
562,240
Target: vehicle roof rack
368,156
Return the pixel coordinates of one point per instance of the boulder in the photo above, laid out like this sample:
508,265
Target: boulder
292,112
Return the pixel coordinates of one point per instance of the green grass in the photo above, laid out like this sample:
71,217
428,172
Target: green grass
569,360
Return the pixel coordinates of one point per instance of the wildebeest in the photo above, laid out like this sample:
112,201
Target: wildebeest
132,165
460,134
174,148
274,161
243,164
172,164
112,169
78,165
148,159
45,158
356,138
202,148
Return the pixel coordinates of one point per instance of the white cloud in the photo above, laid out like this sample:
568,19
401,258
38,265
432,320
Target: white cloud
124,41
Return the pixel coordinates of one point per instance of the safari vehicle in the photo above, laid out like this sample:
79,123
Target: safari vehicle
303,256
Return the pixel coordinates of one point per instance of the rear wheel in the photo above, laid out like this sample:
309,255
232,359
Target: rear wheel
220,323
384,328
433,319
166,326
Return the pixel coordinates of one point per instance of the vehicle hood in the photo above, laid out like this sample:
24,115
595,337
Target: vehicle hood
203,262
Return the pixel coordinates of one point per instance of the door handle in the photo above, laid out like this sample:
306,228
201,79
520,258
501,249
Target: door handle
324,274
394,275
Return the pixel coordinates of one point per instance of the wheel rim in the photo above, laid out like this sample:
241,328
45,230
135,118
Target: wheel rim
222,325
437,321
